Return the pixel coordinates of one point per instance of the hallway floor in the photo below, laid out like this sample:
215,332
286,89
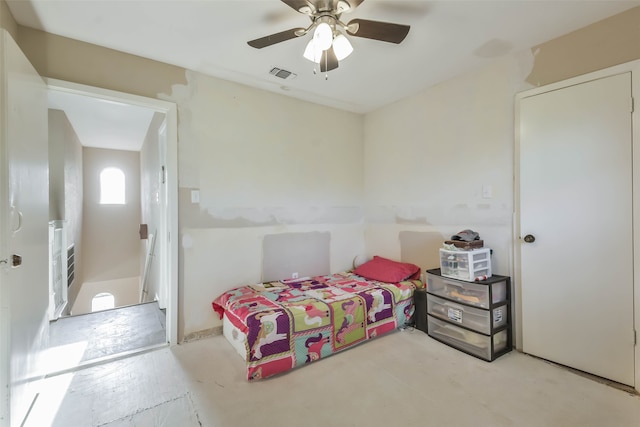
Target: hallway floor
402,379
92,337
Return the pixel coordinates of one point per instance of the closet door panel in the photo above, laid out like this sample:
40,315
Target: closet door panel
576,206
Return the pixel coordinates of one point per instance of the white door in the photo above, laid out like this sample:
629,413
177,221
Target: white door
576,202
24,211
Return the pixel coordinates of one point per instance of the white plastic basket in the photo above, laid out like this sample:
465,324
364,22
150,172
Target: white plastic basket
469,265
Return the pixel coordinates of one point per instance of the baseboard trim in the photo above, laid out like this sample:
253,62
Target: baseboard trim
205,333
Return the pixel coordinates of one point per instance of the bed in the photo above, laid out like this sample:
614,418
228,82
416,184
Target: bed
281,325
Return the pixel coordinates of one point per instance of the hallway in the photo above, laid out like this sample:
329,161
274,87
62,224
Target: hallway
90,338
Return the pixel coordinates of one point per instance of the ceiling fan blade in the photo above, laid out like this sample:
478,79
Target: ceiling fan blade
376,30
274,38
328,61
301,6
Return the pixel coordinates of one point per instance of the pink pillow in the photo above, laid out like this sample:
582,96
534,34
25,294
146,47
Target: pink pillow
386,270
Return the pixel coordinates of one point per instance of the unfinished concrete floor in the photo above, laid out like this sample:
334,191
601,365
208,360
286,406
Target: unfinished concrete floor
401,379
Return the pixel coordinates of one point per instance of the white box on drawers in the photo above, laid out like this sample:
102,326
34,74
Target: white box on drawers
466,265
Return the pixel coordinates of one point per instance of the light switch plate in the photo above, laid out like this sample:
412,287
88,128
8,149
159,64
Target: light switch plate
487,191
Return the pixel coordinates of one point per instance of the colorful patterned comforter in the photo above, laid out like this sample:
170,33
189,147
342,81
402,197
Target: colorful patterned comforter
292,323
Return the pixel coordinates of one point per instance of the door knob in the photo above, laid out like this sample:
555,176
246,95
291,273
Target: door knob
16,260
529,238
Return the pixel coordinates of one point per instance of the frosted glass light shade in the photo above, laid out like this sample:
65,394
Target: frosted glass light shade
323,36
342,47
312,53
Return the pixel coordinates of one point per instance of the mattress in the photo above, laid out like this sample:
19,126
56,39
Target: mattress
235,336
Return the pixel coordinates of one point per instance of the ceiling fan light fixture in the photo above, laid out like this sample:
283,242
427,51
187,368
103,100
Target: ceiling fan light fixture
342,47
329,45
323,36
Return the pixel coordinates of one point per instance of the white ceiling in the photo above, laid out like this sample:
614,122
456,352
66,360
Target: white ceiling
104,124
447,38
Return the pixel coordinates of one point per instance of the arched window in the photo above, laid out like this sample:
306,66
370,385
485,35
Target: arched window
112,187
102,301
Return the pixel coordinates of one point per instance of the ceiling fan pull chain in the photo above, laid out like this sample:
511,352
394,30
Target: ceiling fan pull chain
326,67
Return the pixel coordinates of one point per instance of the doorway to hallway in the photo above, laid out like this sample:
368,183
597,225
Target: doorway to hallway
119,263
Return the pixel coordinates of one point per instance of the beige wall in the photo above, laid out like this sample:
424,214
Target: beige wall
125,292
612,41
261,170
447,142
57,123
6,20
151,187
65,174
71,60
110,238
74,201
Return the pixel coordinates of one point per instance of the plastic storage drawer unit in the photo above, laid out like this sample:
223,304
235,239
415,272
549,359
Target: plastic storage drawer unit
477,294
474,317
466,265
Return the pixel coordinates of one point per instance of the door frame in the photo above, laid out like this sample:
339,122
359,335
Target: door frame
634,68
170,272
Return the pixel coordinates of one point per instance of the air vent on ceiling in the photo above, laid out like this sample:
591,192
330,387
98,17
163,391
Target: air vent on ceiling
283,74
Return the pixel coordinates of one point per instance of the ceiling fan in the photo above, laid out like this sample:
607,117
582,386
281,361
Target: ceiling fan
329,45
